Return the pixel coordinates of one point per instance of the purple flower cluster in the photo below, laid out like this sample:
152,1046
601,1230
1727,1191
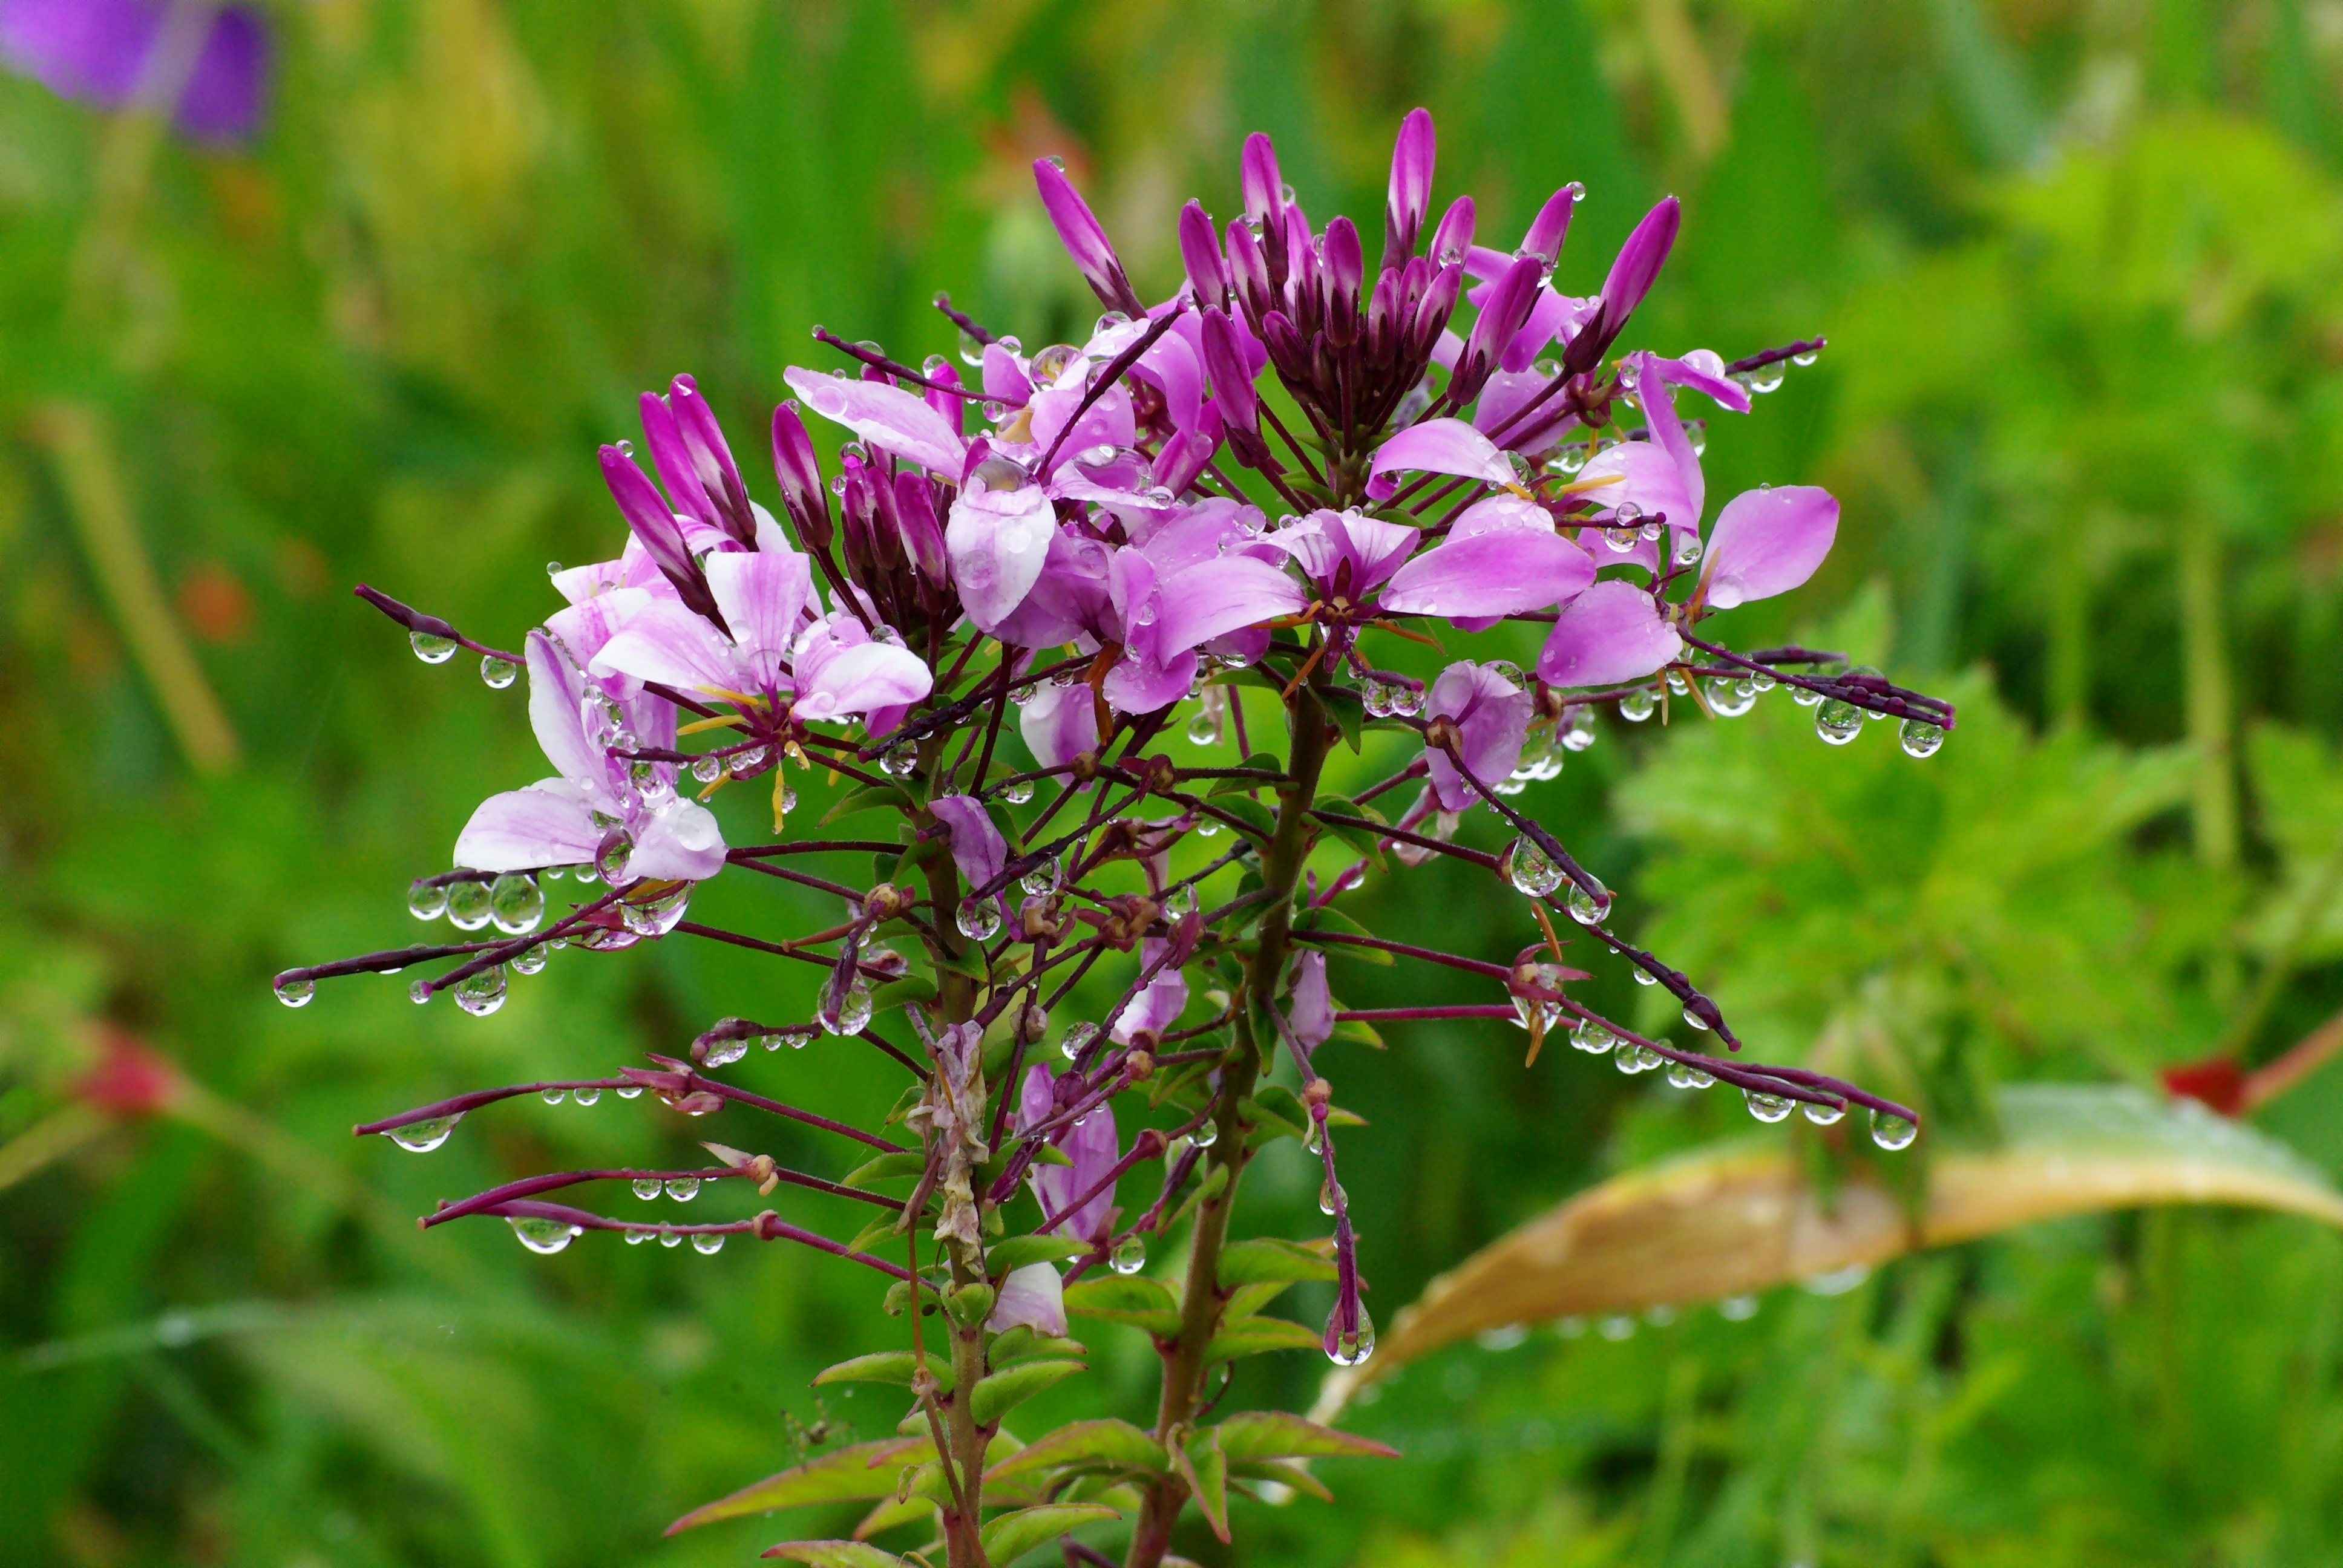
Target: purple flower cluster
1104,540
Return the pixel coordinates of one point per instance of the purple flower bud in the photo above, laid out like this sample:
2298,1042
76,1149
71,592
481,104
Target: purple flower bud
1249,272
1504,309
802,494
1382,319
711,460
656,527
1552,225
1262,185
1431,315
1454,238
1629,280
673,460
1345,276
1224,362
1409,196
1303,274
1200,252
1084,239
923,533
1286,349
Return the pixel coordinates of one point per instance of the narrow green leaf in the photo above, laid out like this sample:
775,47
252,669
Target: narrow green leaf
1149,1303
1206,1470
1275,1434
886,1366
1265,1258
1285,1474
1363,839
861,1472
1013,1535
1326,917
1004,1391
1105,1444
1347,709
1257,1336
885,1168
1023,1345
1020,1250
834,1554
869,798
1259,821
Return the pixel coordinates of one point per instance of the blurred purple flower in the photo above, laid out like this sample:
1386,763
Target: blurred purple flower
106,51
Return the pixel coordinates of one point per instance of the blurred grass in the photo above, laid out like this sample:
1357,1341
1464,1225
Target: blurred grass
2082,268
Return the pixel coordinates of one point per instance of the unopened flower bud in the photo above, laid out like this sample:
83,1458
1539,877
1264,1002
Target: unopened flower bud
885,902
1137,1068
1317,1093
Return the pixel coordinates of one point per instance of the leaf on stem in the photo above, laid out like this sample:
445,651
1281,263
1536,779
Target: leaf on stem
1205,1469
1004,1391
834,1554
1105,1444
1275,1434
861,1472
1736,1219
1012,1536
886,1366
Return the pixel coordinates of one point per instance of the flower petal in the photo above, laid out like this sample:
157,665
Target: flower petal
1033,1297
678,842
1312,1011
665,643
522,829
763,595
1214,597
1060,724
1442,446
1769,541
885,417
999,542
1490,715
1502,572
976,846
1612,632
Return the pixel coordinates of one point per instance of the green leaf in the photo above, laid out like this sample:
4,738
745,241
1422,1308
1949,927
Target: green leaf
1259,821
1215,1183
896,993
869,798
1051,1154
1276,1434
1277,1112
1266,1259
1149,1303
1104,1445
1206,1470
1327,918
1017,1251
1004,1391
1258,1336
886,1366
858,1473
1040,1345
834,1554
1012,1536
1363,839
1347,709
877,1231
1285,1474
885,1168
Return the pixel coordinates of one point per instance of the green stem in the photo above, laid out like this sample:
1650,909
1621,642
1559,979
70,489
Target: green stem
1200,1310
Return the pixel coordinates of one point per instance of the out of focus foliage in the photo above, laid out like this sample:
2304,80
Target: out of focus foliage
2081,264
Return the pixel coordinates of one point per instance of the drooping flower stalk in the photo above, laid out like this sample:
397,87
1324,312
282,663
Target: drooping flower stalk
986,618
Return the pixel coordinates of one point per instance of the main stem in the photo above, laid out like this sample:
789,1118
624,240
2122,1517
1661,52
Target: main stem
1200,1314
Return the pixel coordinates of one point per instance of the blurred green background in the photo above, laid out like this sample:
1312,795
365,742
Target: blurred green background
2081,264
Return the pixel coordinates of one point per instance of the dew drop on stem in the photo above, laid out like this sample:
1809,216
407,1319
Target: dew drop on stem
423,1136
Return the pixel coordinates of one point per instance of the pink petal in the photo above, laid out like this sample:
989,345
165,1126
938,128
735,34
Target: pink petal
1769,541
668,643
1503,572
556,688
762,595
1034,1297
1060,724
1610,633
1443,447
1214,597
976,846
1491,716
544,824
680,842
868,675
885,417
999,542
1312,1012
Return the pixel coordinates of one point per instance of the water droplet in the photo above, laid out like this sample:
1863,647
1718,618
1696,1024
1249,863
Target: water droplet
630,1092
1838,722
1129,1255
1763,681
1636,706
741,764
1591,1036
1688,552
587,1095
1078,1039
725,1052
467,905
1765,379
483,993
1332,1197
646,1187
543,1235
1040,879
900,763
1179,902
1348,1348
528,962
1017,794
419,991
515,903
660,914
683,1188
1621,538
1532,873
707,769
1589,902
1919,738
1406,701
707,1245
423,1136
854,1011
426,901
1694,1017
670,1237
1208,827
1207,1133
1204,730
295,993
554,1096
1632,1058
1678,684
1822,1115
497,673
615,858
1730,699
1684,1075
431,650
1376,697
977,919
1892,1131
1768,1108
1314,1137
636,1237
1643,977
972,351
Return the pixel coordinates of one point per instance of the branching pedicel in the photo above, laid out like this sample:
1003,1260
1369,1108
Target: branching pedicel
1099,561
